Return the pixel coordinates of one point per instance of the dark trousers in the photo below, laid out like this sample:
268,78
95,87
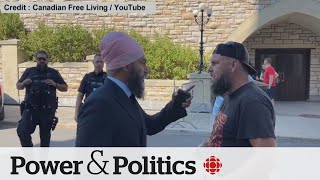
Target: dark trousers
271,92
27,125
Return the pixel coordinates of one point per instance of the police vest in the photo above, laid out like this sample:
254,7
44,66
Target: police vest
41,95
94,82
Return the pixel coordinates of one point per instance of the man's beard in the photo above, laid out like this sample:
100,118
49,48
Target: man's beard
136,84
221,86
42,67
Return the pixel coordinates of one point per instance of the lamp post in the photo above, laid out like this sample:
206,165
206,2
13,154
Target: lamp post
200,21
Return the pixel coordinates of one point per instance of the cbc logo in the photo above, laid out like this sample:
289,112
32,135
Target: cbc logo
212,165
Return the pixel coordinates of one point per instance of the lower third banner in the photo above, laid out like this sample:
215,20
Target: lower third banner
160,163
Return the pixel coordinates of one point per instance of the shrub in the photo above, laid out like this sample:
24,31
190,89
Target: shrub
11,26
40,39
98,34
73,43
63,43
144,41
168,60
207,60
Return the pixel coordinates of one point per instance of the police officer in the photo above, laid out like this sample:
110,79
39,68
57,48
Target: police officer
40,103
90,82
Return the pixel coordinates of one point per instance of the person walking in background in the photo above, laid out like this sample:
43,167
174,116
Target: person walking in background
269,78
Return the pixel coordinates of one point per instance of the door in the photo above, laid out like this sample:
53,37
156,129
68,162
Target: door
293,66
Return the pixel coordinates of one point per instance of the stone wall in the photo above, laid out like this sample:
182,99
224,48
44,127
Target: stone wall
289,35
157,91
161,90
172,17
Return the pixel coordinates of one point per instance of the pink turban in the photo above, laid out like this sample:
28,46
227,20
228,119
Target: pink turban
118,50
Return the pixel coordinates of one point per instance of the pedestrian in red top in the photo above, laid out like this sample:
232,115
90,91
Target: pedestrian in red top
269,78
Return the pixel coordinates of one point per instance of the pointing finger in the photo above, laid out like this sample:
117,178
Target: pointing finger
191,87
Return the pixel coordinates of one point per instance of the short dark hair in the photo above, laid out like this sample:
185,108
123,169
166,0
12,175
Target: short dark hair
41,52
269,60
98,54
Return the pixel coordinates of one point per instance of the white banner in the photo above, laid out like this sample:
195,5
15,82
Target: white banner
78,7
160,163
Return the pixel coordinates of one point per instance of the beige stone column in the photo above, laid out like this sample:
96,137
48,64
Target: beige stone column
201,92
11,57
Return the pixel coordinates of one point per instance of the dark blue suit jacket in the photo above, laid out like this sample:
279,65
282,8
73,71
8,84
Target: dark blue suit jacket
109,119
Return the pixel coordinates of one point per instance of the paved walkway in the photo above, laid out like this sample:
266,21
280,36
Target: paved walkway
293,119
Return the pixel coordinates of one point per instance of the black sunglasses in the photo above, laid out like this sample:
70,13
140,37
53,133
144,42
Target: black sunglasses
41,59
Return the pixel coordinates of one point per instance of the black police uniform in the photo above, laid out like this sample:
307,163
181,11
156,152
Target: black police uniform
39,106
91,82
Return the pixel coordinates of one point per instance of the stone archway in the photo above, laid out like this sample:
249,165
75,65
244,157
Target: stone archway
305,13
287,24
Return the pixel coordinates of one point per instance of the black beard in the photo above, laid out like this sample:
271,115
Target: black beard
221,86
136,84
42,68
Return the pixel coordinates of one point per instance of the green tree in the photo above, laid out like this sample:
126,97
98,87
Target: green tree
11,26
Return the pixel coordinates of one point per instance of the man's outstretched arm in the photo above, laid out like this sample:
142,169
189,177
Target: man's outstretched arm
174,110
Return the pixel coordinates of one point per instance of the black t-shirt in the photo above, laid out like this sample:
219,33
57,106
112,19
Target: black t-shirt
91,82
245,114
39,77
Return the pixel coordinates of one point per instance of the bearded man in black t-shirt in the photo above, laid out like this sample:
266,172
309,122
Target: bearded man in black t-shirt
246,118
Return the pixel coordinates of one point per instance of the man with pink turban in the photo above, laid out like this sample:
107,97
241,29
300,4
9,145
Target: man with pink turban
111,116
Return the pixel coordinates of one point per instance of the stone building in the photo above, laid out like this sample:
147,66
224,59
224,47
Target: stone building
288,31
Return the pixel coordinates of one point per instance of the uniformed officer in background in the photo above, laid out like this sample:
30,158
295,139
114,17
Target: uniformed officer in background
90,82
41,102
